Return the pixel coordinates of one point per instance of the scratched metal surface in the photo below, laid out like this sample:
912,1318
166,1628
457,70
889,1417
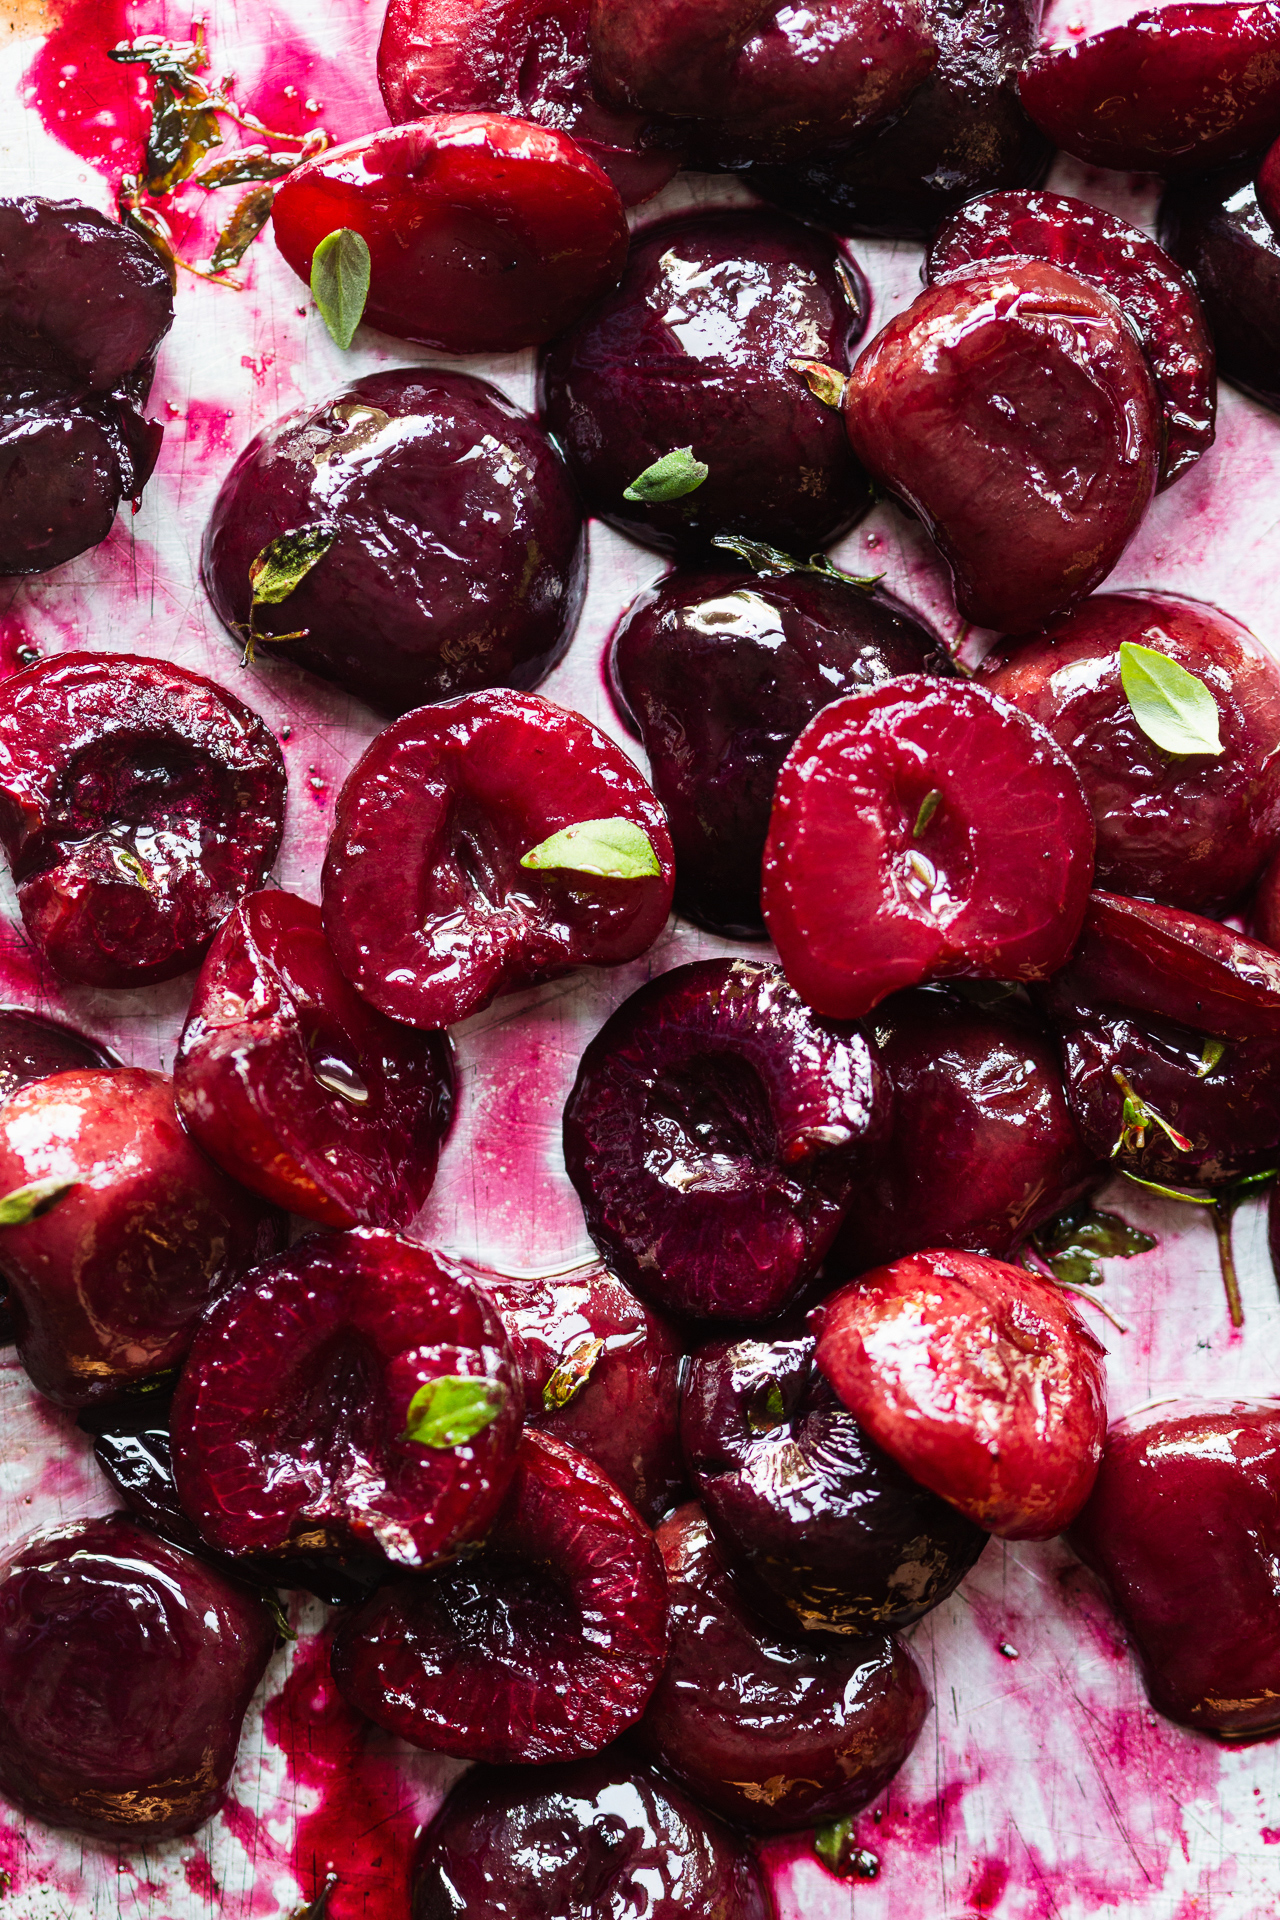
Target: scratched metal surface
1043,1785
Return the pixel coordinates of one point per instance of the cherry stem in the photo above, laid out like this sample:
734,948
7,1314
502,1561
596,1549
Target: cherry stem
1222,1211
1222,1214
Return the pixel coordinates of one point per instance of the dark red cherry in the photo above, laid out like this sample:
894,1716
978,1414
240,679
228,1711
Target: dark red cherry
355,1395
921,831
485,233
718,672
297,1087
1157,296
530,61
1182,1528
984,405
595,1840
713,1133
694,350
1175,89
126,1667
138,802
428,905
108,1281
545,1646
1217,229
1264,909
979,1378
601,1371
828,1534
766,1732
458,556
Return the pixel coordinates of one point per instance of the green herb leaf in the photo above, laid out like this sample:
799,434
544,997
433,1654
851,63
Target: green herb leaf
572,1375
28,1203
824,383
1074,1241
242,168
1173,707
285,562
769,1412
126,862
340,269
184,113
615,849
1211,1053
242,229
772,564
452,1409
1137,1116
834,1846
670,478
928,807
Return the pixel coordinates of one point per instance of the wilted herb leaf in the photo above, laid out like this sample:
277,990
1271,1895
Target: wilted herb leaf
242,229
613,849
772,564
244,166
340,269
452,1409
824,383
572,1375
670,478
184,113
1074,1241
28,1203
834,1846
286,561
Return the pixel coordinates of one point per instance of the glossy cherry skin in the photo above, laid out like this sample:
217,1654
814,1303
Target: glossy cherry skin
829,1536
593,1841
1264,909
138,802
290,1422
84,305
300,1089
1183,1528
527,58
426,905
1157,296
1191,830
1217,229
459,554
713,1133
601,1372
983,404
126,1667
981,1146
921,831
766,1732
108,1284
546,1646
1175,90
964,132
718,672
694,350
979,1378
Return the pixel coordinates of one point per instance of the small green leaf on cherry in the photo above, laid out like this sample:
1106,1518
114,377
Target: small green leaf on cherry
928,807
28,1203
612,849
340,272
1210,1055
824,383
1174,708
670,478
285,562
452,1409
571,1376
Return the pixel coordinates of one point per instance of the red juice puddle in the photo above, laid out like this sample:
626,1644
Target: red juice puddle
199,1877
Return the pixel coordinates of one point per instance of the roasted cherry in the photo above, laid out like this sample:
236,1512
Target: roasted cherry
457,558
920,831
829,1534
545,1646
126,1667
978,1378
138,802
355,1395
1217,229
766,1732
713,1133
718,673
1013,409
133,1232
485,233
429,904
694,350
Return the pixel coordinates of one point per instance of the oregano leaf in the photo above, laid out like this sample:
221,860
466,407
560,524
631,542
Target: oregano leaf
29,1202
771,563
1072,1243
242,229
1174,708
452,1409
572,1375
824,383
836,1846
285,562
340,269
670,478
613,849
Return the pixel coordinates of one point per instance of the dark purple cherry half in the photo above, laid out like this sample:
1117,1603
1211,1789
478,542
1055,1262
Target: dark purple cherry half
1217,229
713,1133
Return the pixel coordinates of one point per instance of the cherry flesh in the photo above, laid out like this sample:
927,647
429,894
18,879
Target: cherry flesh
1183,1528
84,305
107,1284
766,1732
126,1667
292,1422
526,58
827,1534
427,906
593,1841
694,350
485,233
718,673
964,132
1157,296
601,1372
921,831
976,1377
1217,229
546,1646
300,1089
458,558
1175,90
713,1134
1192,830
982,1146
138,802
985,405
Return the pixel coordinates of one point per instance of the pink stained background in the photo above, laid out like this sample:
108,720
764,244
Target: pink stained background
1043,1785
